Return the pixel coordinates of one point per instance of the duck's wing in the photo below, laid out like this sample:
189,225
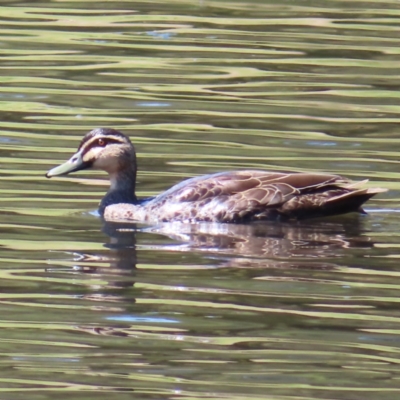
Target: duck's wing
250,195
266,188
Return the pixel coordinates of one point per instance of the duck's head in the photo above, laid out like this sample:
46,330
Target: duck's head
102,148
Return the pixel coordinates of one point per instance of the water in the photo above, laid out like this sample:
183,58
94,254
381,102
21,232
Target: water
267,311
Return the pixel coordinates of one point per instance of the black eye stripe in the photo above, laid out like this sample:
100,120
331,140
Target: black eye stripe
106,141
103,133
95,143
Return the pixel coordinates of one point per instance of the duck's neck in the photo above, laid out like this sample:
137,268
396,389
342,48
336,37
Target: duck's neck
122,189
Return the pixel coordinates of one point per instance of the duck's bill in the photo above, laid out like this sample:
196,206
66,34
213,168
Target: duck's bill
75,163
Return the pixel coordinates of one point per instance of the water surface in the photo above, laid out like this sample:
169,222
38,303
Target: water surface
266,311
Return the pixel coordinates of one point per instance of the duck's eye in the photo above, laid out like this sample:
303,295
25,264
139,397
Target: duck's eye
101,142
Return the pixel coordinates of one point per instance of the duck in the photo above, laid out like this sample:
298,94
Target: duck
224,197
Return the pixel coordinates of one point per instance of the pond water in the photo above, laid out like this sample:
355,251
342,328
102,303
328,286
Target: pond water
289,311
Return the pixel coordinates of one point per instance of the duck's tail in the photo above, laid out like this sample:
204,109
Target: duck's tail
352,200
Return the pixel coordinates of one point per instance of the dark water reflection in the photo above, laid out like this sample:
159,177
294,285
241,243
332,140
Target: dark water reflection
264,311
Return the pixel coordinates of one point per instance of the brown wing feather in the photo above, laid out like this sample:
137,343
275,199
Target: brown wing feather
275,187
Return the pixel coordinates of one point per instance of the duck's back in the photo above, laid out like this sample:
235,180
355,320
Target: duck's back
240,196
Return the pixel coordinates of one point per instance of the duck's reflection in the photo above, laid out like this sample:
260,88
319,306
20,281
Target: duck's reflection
315,245
257,244
283,240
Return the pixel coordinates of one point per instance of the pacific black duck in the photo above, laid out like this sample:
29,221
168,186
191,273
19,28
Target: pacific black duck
234,196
